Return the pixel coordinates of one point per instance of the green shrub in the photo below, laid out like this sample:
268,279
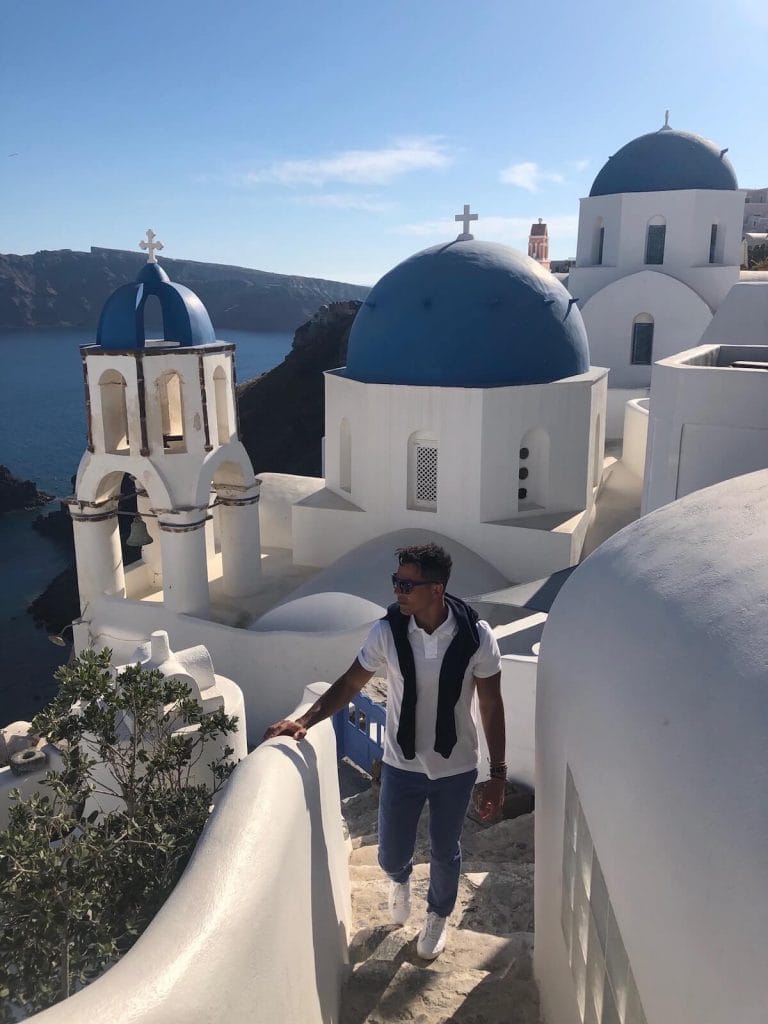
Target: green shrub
76,891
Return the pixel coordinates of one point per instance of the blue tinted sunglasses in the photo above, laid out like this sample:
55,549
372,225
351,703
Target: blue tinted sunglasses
406,586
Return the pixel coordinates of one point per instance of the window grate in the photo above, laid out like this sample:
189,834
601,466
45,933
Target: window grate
642,344
426,474
654,244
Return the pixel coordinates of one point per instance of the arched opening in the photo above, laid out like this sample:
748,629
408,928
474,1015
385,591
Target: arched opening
642,340
221,398
598,238
655,239
533,470
345,456
172,412
114,413
422,471
153,318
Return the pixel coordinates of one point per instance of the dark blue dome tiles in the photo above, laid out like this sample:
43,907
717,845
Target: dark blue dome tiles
664,161
467,314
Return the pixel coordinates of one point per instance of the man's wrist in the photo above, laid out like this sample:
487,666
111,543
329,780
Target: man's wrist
498,770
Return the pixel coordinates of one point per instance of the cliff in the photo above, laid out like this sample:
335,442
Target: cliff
19,494
282,412
65,288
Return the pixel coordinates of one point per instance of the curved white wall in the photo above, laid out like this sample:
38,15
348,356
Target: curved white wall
651,688
635,435
256,930
680,317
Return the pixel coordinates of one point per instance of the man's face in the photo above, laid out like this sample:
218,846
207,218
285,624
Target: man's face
421,597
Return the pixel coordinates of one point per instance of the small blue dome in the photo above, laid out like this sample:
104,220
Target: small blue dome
666,161
185,318
467,314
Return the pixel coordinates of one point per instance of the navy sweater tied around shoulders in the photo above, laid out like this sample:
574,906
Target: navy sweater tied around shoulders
461,648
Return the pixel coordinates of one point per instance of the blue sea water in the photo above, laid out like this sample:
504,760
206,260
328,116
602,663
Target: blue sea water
42,437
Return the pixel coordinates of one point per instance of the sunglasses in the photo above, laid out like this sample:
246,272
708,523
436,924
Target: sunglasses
406,586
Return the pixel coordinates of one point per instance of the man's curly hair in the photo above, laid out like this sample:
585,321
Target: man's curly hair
435,562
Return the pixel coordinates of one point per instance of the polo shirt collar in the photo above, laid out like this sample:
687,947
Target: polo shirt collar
448,626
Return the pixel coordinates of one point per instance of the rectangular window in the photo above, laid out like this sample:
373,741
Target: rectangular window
600,240
713,244
642,344
654,244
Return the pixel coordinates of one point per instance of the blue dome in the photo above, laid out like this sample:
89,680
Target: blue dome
185,318
467,314
666,161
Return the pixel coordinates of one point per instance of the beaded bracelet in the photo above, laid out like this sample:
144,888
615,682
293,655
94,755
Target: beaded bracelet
499,770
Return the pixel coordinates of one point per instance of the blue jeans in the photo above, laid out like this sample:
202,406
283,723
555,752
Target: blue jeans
401,801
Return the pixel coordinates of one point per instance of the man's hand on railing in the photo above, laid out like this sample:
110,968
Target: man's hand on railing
286,727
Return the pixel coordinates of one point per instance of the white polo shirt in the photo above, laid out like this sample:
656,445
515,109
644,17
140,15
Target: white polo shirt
379,653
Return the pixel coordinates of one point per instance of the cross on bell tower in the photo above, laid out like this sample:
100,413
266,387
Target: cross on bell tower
151,246
465,219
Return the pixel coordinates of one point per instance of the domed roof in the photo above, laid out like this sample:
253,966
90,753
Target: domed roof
467,314
185,318
666,161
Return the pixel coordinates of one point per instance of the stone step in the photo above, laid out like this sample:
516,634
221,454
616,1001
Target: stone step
382,992
500,955
497,899
372,872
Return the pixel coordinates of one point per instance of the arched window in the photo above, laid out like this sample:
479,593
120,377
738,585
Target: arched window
422,471
598,238
114,413
172,412
345,456
655,237
533,470
221,398
642,340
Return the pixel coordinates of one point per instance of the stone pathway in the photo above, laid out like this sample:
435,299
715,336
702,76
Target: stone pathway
484,976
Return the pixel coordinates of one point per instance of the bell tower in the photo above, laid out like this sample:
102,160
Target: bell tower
538,244
164,412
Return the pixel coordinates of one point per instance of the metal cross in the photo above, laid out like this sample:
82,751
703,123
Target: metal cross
465,218
666,119
151,246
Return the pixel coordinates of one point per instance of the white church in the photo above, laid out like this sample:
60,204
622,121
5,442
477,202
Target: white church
521,423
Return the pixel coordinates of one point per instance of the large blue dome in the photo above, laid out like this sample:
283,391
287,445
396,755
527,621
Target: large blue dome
666,161
467,314
185,318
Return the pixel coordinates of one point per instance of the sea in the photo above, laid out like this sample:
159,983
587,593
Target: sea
42,438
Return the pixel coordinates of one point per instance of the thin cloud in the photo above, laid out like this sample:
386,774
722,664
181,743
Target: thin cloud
355,166
528,175
345,201
580,165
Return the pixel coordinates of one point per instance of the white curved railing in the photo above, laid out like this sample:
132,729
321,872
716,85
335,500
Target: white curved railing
635,435
256,930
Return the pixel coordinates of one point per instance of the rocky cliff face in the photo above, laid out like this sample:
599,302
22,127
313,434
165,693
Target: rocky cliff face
19,494
282,413
66,288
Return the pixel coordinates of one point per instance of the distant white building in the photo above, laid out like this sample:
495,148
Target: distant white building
659,248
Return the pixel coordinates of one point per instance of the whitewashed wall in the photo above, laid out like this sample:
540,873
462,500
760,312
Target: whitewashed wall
257,928
689,215
479,434
707,422
651,689
633,451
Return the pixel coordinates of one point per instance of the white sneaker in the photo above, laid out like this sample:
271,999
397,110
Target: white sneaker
399,901
432,937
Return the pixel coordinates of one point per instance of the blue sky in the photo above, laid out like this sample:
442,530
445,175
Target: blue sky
335,139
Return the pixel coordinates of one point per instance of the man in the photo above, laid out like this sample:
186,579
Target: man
437,654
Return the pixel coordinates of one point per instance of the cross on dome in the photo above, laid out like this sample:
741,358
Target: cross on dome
151,246
465,218
666,119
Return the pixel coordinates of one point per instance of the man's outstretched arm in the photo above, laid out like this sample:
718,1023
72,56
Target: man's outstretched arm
334,699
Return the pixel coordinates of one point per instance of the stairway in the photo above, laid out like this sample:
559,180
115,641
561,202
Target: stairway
484,976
